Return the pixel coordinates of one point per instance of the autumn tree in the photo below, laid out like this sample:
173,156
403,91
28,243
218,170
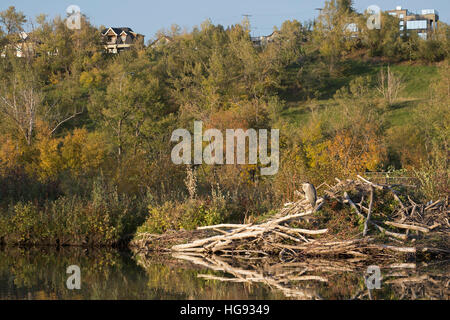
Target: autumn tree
12,20
386,41
345,5
331,34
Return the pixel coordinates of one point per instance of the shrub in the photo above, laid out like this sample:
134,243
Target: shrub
106,219
184,215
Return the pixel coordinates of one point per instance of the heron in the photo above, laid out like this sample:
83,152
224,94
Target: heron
310,193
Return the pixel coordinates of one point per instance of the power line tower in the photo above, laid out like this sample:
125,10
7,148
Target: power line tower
247,25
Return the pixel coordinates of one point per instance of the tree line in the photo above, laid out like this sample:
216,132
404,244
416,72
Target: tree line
85,135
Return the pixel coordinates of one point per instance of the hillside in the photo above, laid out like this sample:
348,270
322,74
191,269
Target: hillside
417,80
94,143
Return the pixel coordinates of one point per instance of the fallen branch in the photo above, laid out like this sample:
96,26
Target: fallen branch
369,213
407,226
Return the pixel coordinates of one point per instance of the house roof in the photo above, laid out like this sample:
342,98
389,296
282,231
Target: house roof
128,40
118,30
23,35
161,38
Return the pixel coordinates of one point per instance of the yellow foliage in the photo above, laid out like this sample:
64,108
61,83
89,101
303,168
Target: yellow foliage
248,174
49,163
347,153
79,153
292,172
82,151
54,78
10,151
351,154
315,147
88,78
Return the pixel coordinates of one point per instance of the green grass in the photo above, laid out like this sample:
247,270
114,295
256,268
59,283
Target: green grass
297,113
417,79
416,87
400,113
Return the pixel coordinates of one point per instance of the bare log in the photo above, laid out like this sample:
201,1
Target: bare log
369,213
304,231
389,233
407,226
393,248
352,204
224,225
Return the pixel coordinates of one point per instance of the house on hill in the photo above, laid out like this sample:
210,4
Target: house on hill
120,39
424,23
264,40
23,46
161,41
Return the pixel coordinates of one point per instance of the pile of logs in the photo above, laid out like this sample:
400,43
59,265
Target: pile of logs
276,236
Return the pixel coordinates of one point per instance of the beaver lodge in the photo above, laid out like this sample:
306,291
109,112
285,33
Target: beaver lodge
354,224
353,219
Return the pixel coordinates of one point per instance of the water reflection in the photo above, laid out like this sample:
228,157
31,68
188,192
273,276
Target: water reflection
40,273
324,279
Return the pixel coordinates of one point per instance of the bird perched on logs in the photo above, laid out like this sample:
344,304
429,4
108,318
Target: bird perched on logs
310,193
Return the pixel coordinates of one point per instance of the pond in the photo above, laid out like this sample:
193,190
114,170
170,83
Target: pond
41,273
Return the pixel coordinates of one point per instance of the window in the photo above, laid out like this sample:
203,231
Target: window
401,16
416,24
429,11
422,35
351,27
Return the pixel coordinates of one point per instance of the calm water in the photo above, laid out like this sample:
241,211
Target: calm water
112,274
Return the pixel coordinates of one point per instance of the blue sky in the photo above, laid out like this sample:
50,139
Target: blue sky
149,16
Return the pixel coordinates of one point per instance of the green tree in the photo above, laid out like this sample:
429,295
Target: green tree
331,34
345,5
387,41
12,20
130,102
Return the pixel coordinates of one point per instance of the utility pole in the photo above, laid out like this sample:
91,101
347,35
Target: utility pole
320,13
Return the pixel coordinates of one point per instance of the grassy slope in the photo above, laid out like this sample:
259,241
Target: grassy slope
417,79
417,83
